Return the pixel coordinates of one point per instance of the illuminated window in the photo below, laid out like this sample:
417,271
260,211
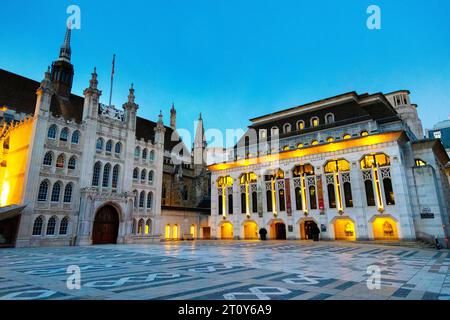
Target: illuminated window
96,174
135,173
63,226
437,135
106,175
347,136
99,144
75,137
329,118
137,152
314,122
262,133
109,146
64,134
300,125
150,200
43,191
148,226
48,159
300,145
118,148
72,163
60,161
144,154
115,176
364,133
141,226
56,192
192,230
420,163
330,139
37,226
314,142
68,193
133,228
337,174
51,134
286,148
51,226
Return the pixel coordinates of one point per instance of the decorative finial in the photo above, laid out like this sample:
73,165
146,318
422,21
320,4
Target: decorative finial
200,118
93,82
131,96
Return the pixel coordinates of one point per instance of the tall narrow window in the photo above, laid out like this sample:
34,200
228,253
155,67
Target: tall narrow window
388,191
43,191
37,226
48,159
348,195
144,154
109,146
220,203
150,176
281,197
137,152
64,134
99,144
51,134
51,225
56,192
118,148
269,201
312,197
135,173
331,196
314,122
243,203
96,174
68,193
106,175
75,137
298,199
72,164
152,155
150,200
143,175
115,176
63,226
370,197
254,202
230,204
60,161
142,199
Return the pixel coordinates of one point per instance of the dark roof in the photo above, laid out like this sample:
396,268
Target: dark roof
19,94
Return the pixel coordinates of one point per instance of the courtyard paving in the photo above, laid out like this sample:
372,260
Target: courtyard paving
222,270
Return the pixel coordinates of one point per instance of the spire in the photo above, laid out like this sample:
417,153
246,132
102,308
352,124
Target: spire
199,141
173,117
65,52
93,82
131,96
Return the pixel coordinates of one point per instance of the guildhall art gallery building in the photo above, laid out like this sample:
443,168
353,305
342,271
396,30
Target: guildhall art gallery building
74,171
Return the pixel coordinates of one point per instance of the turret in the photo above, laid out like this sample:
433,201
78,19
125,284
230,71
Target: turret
91,98
173,117
44,95
408,112
131,110
199,144
160,130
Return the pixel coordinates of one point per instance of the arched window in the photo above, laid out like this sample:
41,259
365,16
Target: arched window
48,159
298,199
269,201
43,191
96,174
135,173
133,230
300,145
137,152
150,176
75,137
148,226
230,204
347,136
314,122
106,173
314,143
136,201
115,176
141,226
330,139
72,164
64,135
144,154
149,200
51,134
118,148
254,202
142,199
143,175
243,203
63,226
286,148
286,128
109,146
152,155
329,118
51,226
312,197
37,226
68,193
56,192
281,197
60,161
274,131
99,144
370,196
331,196
300,125
364,133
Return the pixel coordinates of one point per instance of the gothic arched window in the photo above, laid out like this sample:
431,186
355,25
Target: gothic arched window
150,176
135,173
68,193
72,164
37,226
60,161
150,200
137,152
51,134
56,192
43,191
143,175
109,144
75,137
118,148
115,176
96,174
51,226
152,155
64,135
63,226
142,199
144,154
99,144
106,173
48,159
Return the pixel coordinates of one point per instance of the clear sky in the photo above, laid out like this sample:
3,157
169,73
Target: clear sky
237,59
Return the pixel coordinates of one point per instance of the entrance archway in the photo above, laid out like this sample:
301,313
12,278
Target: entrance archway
278,230
250,230
226,231
306,229
344,229
385,229
106,226
175,232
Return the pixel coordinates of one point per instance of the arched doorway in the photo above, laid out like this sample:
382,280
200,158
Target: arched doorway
250,230
278,230
385,229
226,231
176,232
106,226
344,229
168,231
306,229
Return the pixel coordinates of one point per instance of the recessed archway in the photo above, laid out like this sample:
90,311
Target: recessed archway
278,230
106,226
226,231
344,229
250,230
385,228
307,227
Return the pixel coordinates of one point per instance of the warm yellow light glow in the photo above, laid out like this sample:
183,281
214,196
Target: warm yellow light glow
4,195
385,229
147,229
313,150
300,145
344,229
303,189
314,142
347,136
168,231
175,231
301,125
192,231
250,230
274,198
330,139
286,148
364,133
226,231
315,122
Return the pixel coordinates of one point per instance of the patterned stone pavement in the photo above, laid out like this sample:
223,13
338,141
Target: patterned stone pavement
226,270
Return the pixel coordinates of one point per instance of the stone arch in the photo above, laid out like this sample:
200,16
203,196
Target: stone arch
344,228
306,225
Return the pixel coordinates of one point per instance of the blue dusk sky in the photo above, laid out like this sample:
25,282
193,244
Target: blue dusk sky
237,59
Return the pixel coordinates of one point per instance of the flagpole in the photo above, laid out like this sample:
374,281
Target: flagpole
112,79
